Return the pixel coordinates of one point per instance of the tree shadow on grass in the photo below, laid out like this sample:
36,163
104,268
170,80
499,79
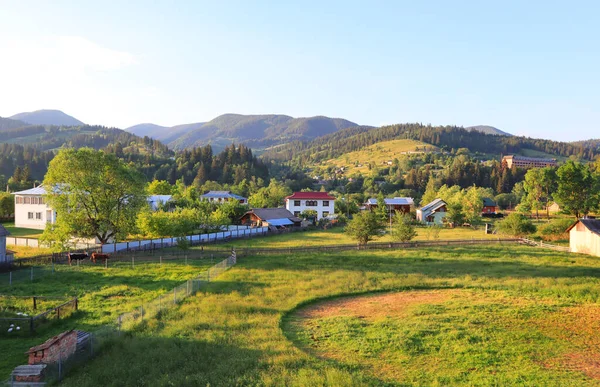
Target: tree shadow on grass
492,262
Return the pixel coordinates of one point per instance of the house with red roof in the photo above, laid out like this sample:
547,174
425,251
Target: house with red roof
321,202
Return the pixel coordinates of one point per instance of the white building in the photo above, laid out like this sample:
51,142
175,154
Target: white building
223,196
31,210
321,202
433,213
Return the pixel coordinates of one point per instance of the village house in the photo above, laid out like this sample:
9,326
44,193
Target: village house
321,202
489,206
554,207
584,237
223,196
31,210
403,205
270,217
433,213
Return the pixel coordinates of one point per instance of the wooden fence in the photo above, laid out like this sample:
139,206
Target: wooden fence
545,245
30,324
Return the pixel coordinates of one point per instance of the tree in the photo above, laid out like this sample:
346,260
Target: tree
534,186
402,229
473,205
516,225
271,196
160,187
7,204
309,214
364,227
94,194
578,190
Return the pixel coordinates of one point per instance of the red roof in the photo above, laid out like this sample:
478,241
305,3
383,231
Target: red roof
311,195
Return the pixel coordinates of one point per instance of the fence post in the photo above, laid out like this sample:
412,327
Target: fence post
34,303
31,327
32,272
132,261
10,278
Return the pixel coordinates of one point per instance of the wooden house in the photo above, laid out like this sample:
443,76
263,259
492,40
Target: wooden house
489,206
433,213
270,217
584,237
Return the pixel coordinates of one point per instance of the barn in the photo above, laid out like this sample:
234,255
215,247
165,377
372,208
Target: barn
584,237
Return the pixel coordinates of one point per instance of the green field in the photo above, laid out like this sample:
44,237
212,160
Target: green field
491,315
103,295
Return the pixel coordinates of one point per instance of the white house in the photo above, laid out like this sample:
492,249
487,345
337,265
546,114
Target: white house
321,202
223,196
584,237
432,213
31,210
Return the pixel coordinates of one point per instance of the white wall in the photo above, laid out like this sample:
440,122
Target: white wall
22,214
320,208
585,242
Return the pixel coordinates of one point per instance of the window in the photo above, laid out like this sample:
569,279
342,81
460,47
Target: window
296,203
19,200
311,203
27,200
42,201
325,214
325,203
30,215
296,213
38,215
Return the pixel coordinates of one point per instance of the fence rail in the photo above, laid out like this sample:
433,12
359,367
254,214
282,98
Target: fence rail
29,324
545,245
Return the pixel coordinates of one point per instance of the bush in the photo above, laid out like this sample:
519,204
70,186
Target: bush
517,225
555,230
403,230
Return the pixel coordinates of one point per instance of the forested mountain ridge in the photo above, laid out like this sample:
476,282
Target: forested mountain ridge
253,130
8,123
444,137
487,130
47,117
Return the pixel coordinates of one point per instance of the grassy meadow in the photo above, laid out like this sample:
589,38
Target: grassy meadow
22,232
474,315
103,295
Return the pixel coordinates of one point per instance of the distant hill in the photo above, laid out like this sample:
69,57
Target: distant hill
487,130
591,143
257,130
162,133
7,123
47,117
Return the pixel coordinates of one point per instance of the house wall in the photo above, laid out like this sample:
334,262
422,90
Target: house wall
584,241
489,209
62,349
23,211
291,206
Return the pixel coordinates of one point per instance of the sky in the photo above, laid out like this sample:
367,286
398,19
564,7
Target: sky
526,67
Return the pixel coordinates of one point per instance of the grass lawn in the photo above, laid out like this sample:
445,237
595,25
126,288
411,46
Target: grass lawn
336,236
28,252
103,295
476,315
22,232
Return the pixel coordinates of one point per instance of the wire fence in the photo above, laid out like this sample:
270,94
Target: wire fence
23,324
173,297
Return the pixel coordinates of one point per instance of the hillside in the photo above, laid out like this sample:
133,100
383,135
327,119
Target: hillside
7,123
256,130
381,154
47,117
487,130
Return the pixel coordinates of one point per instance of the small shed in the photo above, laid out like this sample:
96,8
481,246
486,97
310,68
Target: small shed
584,237
54,349
489,206
270,217
554,207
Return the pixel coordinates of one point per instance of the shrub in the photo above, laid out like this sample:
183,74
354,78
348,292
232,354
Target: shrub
403,230
555,230
517,225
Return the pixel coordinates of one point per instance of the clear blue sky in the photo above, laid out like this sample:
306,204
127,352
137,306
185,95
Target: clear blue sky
526,67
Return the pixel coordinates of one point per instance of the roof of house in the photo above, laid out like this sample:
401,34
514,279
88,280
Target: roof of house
487,202
397,201
222,194
274,213
525,158
3,231
311,195
434,205
39,190
49,342
155,200
591,224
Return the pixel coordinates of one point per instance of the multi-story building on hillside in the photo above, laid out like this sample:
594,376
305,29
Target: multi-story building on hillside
527,162
223,196
321,202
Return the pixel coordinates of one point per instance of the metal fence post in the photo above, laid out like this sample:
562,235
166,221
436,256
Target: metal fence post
10,278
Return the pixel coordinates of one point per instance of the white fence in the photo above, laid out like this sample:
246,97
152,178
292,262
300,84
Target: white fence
35,243
194,239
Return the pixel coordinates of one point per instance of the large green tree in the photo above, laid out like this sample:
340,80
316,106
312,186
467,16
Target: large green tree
578,190
95,195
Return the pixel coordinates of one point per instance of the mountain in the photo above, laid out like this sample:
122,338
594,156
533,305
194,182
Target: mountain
257,130
487,130
47,117
7,123
162,133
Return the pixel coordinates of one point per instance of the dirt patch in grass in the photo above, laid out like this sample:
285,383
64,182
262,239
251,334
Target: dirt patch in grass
376,306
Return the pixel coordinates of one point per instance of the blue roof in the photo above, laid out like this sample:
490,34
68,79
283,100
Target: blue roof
39,190
397,201
280,222
223,194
